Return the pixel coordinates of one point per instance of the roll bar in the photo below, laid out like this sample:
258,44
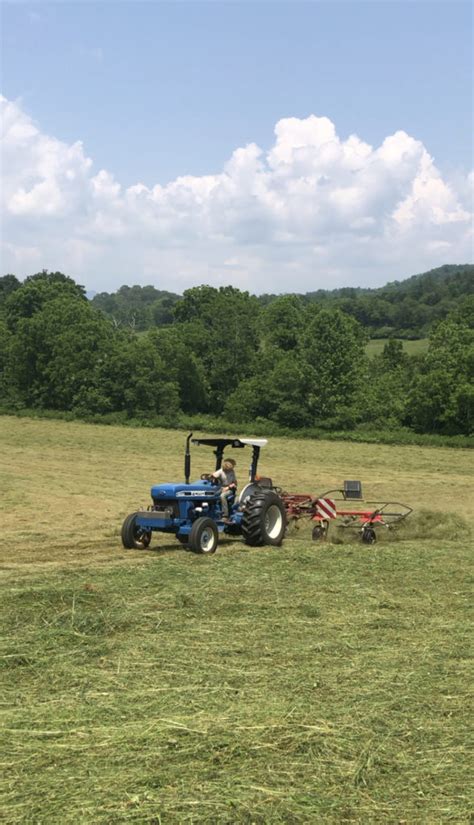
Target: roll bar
220,444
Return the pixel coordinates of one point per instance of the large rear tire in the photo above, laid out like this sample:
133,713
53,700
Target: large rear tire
134,537
203,536
264,519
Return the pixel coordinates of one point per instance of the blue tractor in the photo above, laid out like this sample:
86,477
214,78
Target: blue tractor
192,511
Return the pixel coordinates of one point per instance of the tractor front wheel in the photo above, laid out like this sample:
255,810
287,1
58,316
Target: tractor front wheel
203,536
264,519
133,536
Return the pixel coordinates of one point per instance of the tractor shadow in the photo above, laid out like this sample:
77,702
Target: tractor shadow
169,546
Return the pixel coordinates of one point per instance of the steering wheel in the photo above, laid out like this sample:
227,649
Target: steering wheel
209,477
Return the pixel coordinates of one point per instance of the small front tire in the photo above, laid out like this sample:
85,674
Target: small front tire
133,536
204,536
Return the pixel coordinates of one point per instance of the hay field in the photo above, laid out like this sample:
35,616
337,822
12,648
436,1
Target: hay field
312,683
416,347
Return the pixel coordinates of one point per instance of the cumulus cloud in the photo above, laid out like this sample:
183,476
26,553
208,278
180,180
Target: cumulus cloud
312,211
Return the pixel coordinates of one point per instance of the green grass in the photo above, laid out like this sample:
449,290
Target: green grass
309,683
375,346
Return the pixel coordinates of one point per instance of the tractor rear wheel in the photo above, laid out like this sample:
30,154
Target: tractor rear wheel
133,536
264,519
203,536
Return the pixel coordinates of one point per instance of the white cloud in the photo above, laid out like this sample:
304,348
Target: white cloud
312,211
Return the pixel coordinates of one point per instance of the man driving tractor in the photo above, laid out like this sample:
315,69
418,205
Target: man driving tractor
226,476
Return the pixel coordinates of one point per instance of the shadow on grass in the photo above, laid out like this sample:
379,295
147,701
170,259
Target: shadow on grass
172,546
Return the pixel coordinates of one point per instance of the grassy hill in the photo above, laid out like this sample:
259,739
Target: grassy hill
308,683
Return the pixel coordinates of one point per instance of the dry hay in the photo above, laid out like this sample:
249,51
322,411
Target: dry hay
419,525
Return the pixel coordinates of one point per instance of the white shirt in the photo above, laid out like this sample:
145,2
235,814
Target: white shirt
227,477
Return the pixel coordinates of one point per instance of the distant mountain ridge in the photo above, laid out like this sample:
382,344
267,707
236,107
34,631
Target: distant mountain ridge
404,309
462,273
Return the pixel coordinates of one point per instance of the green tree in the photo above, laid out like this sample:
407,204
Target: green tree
37,291
8,284
131,377
56,350
183,367
464,314
334,354
441,398
221,327
283,322
68,356
8,393
393,355
383,392
137,307
56,278
279,393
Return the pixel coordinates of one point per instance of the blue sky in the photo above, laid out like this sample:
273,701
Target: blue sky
155,91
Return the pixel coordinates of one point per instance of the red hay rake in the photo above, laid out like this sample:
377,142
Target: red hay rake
329,507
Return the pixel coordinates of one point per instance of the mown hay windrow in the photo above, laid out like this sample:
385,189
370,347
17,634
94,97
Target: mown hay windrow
427,524
422,524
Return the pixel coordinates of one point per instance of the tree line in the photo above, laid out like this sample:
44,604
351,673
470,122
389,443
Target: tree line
405,309
290,362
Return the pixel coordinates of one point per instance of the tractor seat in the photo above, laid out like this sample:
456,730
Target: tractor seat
264,481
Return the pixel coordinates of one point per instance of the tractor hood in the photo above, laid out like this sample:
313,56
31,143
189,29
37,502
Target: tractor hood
199,489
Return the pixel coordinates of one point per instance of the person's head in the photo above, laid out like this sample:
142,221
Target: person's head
228,464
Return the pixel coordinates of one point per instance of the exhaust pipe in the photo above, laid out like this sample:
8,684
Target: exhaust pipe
187,460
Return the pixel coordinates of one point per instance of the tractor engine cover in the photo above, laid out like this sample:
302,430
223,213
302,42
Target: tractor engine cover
198,489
